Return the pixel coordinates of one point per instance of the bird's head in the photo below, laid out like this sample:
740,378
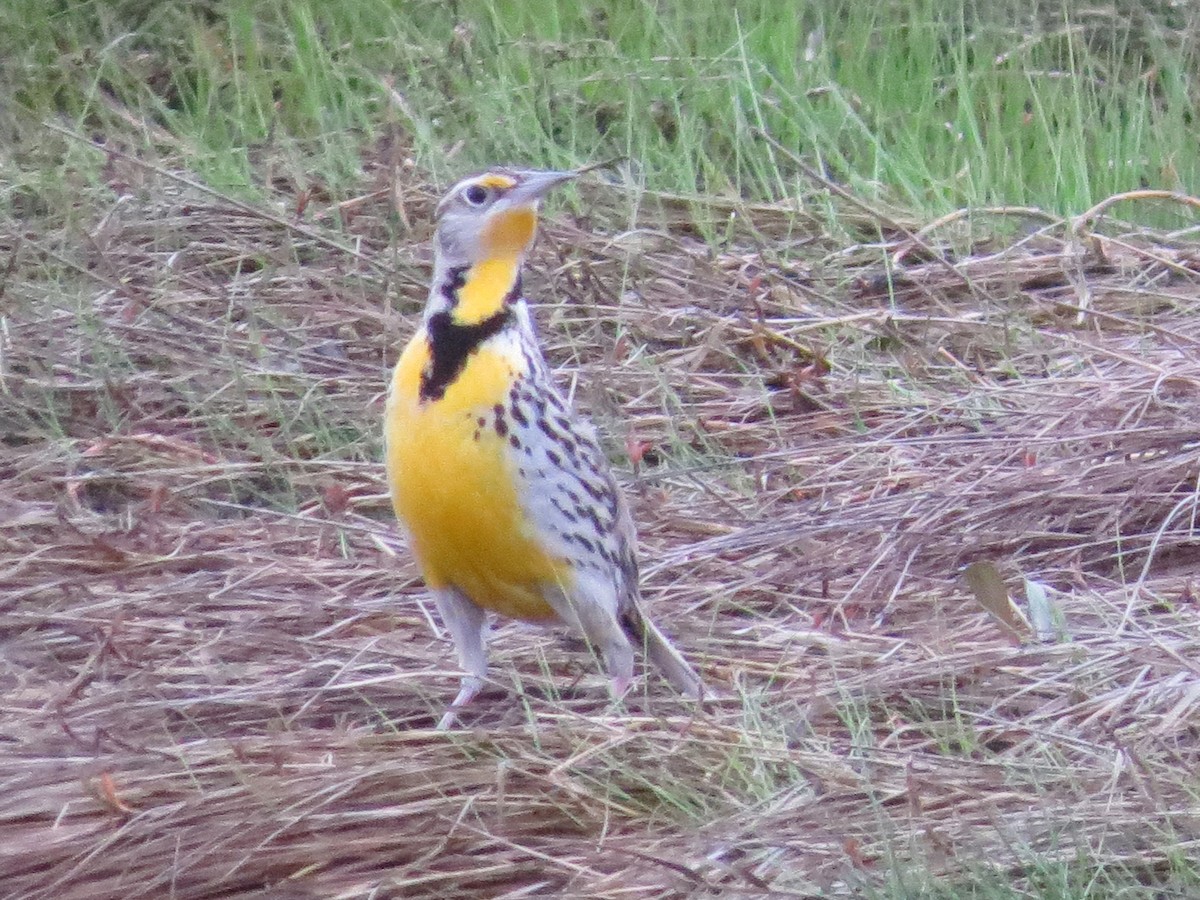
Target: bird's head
492,215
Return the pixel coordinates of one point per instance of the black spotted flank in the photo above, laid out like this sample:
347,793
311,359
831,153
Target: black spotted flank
596,493
571,447
567,514
500,423
572,537
590,514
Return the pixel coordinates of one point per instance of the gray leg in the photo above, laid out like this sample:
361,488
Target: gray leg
591,610
467,624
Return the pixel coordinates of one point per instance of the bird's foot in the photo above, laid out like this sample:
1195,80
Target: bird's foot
470,686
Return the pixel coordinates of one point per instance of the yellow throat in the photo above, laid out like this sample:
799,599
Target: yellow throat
488,283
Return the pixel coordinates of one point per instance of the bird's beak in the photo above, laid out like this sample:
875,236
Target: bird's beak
535,185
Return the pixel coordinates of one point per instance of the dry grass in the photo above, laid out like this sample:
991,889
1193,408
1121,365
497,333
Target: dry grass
219,673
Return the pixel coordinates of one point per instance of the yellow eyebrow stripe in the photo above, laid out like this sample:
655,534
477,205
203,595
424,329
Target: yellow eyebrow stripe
497,182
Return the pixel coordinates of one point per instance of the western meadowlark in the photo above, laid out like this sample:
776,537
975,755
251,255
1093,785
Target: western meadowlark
507,498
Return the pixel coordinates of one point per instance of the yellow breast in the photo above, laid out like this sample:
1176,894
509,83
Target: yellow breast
452,485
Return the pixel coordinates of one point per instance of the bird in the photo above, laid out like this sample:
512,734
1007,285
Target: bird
506,496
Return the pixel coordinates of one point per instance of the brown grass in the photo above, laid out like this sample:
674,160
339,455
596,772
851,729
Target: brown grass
219,672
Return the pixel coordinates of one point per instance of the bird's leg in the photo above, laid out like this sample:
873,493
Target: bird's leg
467,624
470,686
620,685
591,610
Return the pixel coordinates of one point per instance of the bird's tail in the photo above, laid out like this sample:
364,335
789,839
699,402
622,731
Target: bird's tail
661,652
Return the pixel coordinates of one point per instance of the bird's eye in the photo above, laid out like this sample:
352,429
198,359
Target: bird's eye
476,195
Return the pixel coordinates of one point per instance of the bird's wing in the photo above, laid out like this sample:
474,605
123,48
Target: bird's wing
567,489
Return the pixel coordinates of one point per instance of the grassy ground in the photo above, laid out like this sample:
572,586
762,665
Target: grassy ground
827,389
